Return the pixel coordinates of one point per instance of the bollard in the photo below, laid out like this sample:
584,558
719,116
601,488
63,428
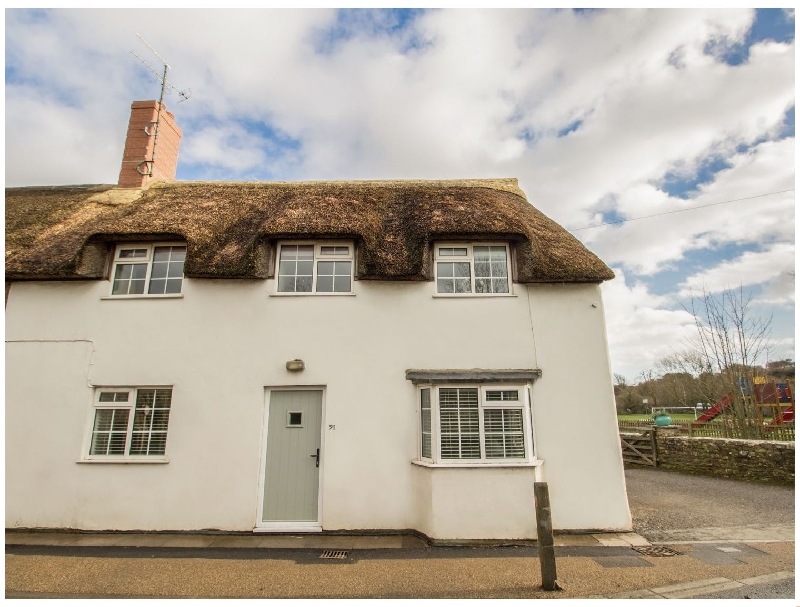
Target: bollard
544,533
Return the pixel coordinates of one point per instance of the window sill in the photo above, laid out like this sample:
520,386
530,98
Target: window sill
121,460
532,464
472,295
167,296
312,294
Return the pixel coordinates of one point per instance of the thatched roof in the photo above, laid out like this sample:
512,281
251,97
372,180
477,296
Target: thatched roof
65,232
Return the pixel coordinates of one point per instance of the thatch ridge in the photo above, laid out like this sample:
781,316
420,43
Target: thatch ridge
64,232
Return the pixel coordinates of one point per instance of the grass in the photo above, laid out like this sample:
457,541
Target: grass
675,416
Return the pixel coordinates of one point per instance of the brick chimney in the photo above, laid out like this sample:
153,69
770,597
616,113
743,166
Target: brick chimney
143,144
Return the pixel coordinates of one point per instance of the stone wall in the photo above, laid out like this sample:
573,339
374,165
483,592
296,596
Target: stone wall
729,457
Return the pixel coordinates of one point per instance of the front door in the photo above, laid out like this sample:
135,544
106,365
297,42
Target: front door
291,473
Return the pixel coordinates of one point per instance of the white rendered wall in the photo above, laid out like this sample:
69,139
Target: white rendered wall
225,341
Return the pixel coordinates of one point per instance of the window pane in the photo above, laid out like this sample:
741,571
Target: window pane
502,395
425,421
178,254
174,285
159,270
139,271
157,287
136,288
116,446
99,444
452,251
175,269
481,253
483,285
500,285
325,268
324,284
145,398
498,254
445,285
123,271
288,252
286,284
287,268
102,420
333,250
163,398
342,268
445,270
305,251
499,269
341,284
504,433
482,268
459,426
161,253
305,268
461,269
158,444
132,253
462,285
141,420
304,284
151,420
120,423
139,443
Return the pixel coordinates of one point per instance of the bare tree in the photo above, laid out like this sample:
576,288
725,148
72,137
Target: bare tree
729,342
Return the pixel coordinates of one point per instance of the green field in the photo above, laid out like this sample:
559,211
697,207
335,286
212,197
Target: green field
675,416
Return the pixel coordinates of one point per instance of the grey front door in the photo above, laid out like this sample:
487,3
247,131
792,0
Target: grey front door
291,482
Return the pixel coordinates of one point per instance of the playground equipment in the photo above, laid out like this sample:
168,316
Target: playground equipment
715,410
758,395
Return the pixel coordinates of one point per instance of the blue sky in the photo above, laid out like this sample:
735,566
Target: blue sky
602,115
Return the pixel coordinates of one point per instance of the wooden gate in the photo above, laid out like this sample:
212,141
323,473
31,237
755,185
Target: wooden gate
639,447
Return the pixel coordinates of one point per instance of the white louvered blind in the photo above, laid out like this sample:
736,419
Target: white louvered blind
425,421
459,423
150,421
503,431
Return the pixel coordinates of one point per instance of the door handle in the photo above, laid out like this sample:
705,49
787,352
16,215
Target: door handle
316,455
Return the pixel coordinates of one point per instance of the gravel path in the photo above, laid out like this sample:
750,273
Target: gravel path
662,499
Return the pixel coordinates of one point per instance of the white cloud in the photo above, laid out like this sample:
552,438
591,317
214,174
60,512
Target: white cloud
751,268
651,245
642,327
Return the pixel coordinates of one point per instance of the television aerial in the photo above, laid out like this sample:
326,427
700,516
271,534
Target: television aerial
146,166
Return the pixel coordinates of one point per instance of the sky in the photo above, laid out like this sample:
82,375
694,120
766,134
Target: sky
663,139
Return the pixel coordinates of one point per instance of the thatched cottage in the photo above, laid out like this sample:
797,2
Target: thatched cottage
314,356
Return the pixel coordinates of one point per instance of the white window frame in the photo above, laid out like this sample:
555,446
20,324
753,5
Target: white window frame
149,247
468,258
130,405
436,460
318,256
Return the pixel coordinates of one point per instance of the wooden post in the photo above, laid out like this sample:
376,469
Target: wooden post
544,534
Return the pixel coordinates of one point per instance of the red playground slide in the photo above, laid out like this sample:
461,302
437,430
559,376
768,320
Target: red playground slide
715,410
787,415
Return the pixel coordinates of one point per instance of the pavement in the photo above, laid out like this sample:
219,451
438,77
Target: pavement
696,537
187,565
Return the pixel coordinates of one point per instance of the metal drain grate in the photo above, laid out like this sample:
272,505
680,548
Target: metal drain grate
656,551
334,554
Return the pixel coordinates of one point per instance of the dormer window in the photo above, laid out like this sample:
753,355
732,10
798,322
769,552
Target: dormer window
463,269
315,268
146,269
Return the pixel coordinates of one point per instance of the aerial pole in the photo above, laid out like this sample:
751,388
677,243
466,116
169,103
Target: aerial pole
146,166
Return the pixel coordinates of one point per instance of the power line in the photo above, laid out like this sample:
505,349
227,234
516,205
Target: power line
702,206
